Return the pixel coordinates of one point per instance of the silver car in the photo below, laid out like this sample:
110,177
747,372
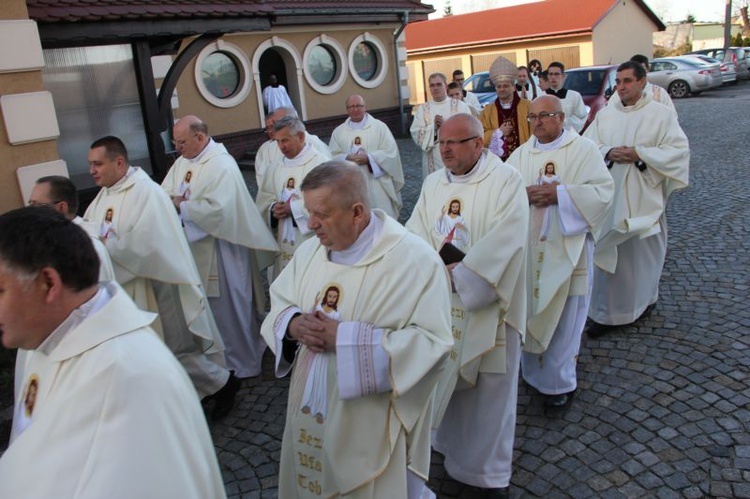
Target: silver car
682,76
728,70
735,55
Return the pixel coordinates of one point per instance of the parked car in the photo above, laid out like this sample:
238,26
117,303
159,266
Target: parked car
683,76
596,84
481,85
736,55
728,70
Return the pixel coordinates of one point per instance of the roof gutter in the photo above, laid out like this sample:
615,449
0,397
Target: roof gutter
401,113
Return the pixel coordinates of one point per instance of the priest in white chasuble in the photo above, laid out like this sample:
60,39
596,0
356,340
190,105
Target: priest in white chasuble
153,262
569,190
485,253
229,240
369,143
648,156
366,347
429,117
103,408
269,153
279,199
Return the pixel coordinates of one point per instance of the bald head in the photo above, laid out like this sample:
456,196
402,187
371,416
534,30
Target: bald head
356,108
461,143
190,136
548,118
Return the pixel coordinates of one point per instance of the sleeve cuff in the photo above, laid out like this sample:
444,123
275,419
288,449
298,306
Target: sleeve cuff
362,364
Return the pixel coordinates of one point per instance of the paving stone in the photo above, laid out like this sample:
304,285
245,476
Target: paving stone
661,403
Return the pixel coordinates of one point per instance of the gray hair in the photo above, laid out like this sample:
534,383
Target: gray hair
346,179
288,111
294,124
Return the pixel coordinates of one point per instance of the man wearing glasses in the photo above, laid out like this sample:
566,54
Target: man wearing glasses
648,155
429,117
488,304
560,263
469,99
369,143
60,194
227,237
572,102
154,265
504,121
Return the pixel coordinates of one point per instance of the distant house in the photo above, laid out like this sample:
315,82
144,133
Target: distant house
574,32
697,36
73,71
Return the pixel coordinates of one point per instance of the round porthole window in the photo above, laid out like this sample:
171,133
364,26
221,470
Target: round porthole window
368,63
324,62
221,74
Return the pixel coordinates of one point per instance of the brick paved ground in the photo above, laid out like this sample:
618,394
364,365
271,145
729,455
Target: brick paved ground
664,406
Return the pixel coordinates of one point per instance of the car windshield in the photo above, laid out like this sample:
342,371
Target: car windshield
479,83
585,82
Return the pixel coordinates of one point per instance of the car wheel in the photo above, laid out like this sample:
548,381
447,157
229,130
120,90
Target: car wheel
678,89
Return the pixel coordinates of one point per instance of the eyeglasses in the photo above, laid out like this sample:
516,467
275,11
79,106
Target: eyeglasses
542,116
554,74
451,143
36,204
181,143
355,106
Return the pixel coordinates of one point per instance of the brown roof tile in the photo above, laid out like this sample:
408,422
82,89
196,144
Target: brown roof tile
544,18
62,11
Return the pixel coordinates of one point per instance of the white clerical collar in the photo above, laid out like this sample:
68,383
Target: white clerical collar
554,145
361,246
211,144
359,125
75,318
466,177
504,105
131,170
441,101
298,159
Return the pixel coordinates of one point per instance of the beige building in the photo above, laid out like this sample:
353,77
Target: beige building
574,32
130,68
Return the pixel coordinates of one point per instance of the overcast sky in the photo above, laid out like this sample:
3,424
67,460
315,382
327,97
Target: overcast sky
667,10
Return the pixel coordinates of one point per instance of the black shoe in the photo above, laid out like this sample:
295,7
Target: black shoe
502,493
561,401
225,397
597,330
646,312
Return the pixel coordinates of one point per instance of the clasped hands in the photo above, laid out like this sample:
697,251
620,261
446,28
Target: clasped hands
623,154
317,331
281,210
542,195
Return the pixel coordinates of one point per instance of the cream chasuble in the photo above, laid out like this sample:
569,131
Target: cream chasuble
556,254
423,130
145,241
114,415
269,153
493,208
363,446
658,94
106,271
372,137
220,205
640,196
282,183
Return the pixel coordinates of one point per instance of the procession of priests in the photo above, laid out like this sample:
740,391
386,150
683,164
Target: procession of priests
149,313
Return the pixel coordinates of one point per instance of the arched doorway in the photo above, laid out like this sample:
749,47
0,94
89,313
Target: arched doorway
277,61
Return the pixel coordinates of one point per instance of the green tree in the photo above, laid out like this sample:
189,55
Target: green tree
690,18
